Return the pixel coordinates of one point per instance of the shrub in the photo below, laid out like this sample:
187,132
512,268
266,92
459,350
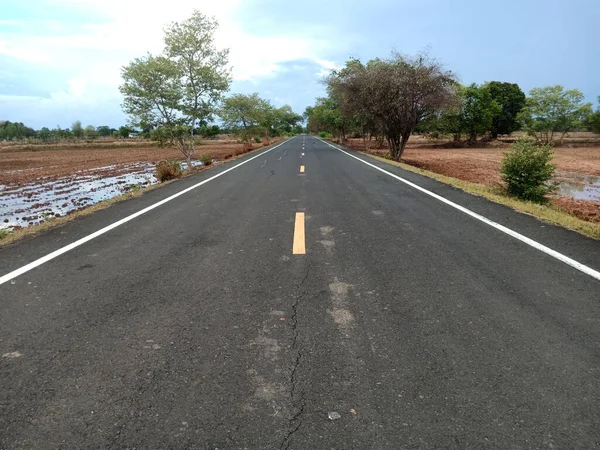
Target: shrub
168,170
527,169
324,135
4,233
206,159
257,140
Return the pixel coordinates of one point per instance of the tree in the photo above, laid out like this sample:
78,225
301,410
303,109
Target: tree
511,99
552,111
395,93
104,130
209,131
478,111
15,130
284,120
451,120
182,87
327,116
45,134
593,120
77,129
245,113
90,132
124,131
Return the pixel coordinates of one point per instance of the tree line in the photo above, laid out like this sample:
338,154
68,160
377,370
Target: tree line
392,98
15,131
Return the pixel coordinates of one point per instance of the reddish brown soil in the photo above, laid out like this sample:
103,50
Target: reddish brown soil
583,209
27,165
482,165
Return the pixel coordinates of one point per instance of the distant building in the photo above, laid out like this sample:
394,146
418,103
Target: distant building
134,135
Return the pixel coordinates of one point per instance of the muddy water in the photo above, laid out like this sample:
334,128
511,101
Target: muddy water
581,188
29,204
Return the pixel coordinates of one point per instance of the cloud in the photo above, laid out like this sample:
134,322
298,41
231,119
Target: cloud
87,50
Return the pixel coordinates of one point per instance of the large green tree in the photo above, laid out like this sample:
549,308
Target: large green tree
104,130
284,120
181,88
478,111
245,113
552,112
326,115
511,100
15,130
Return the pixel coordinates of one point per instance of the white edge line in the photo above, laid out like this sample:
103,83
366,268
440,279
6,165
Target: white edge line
38,262
565,259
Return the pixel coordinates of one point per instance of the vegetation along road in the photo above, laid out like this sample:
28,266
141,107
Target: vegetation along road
304,296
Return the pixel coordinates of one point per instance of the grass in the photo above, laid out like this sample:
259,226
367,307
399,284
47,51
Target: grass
9,236
496,194
206,159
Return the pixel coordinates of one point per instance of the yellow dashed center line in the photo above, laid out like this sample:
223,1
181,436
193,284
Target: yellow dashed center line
301,169
299,240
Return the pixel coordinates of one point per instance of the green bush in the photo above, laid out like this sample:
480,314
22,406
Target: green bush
527,169
593,122
168,170
206,159
257,140
324,135
4,233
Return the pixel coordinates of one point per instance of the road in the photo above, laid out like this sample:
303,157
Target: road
380,318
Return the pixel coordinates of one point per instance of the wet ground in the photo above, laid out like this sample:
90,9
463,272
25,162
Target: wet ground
580,187
22,205
25,204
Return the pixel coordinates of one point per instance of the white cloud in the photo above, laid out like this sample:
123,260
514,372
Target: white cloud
93,53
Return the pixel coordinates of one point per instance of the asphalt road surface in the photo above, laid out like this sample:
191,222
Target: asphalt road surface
334,308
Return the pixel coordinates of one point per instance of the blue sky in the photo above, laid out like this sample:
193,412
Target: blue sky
60,60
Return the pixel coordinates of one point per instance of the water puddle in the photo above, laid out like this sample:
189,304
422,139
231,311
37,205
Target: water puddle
29,204
581,188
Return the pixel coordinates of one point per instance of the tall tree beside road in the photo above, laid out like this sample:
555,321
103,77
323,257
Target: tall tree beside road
396,93
182,87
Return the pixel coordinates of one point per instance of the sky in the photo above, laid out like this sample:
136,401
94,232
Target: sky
60,60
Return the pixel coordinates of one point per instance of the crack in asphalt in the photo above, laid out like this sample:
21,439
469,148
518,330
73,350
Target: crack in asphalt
296,397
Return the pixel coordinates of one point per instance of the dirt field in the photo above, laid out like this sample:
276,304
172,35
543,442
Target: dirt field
39,183
27,164
578,169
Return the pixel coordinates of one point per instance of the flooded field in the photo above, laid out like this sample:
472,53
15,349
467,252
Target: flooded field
581,188
22,205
